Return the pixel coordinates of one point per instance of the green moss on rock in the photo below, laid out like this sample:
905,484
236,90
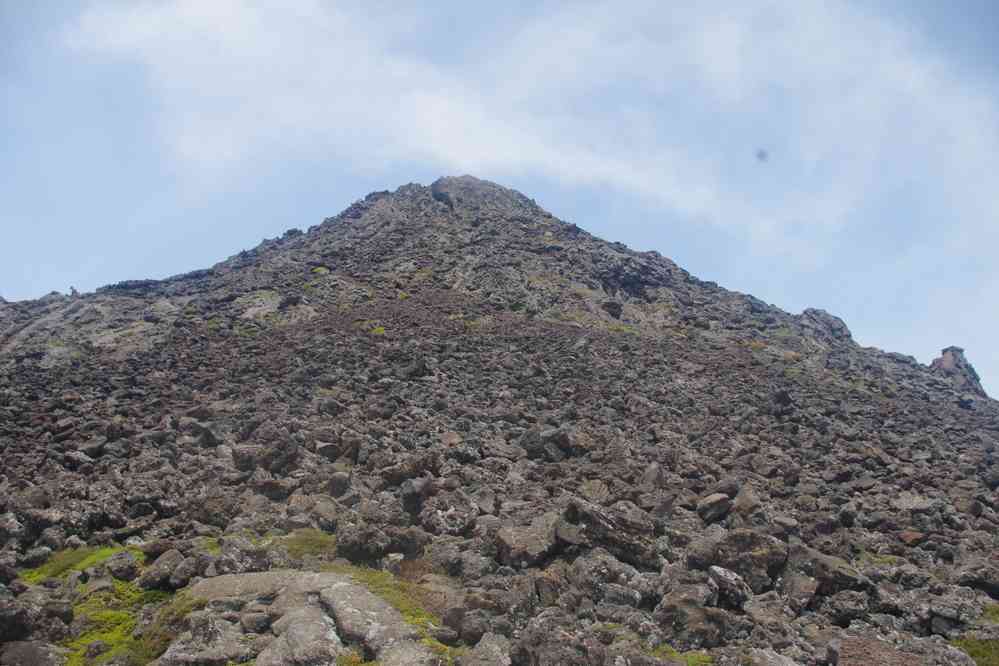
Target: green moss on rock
984,652
110,616
308,541
64,562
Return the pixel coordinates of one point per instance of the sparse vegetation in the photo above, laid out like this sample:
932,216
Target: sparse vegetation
991,614
64,562
354,659
693,658
622,634
110,616
157,636
211,545
406,597
622,328
310,542
868,558
983,651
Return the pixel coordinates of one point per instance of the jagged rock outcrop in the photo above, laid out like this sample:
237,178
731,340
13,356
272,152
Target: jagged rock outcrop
538,447
955,367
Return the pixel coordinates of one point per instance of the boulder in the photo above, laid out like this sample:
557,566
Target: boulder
714,507
305,636
528,545
157,575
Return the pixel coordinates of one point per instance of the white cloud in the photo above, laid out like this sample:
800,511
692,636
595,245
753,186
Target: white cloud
662,105
844,93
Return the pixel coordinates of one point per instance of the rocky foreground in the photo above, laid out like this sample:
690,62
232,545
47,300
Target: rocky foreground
446,427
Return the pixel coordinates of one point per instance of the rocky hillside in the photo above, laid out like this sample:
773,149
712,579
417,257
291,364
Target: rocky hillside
445,427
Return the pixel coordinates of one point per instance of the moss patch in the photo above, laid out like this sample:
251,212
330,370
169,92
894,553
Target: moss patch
110,616
402,595
64,562
157,636
867,558
447,653
354,659
692,658
211,545
622,634
303,542
984,652
406,597
991,613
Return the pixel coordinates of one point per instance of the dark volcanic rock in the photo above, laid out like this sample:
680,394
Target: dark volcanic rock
572,452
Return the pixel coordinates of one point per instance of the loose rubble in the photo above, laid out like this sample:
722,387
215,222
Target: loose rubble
446,427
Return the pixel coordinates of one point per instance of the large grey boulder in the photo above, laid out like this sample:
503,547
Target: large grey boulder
361,617
305,636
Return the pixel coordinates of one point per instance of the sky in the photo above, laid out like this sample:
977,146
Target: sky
145,139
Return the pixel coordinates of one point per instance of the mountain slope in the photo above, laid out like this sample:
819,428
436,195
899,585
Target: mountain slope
580,451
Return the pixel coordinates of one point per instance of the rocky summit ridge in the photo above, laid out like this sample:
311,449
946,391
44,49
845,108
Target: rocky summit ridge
445,427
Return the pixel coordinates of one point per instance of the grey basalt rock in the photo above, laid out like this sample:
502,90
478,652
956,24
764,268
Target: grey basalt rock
305,636
361,617
491,650
157,575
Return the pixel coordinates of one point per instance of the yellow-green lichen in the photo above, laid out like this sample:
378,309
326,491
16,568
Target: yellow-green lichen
665,651
304,542
401,594
405,597
156,637
991,614
868,558
64,562
211,545
983,651
693,658
378,330
110,616
447,653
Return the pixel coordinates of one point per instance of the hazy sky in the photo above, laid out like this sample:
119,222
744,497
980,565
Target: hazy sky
145,139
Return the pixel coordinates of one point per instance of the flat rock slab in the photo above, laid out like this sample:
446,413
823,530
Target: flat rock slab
365,618
408,653
319,616
31,653
264,584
